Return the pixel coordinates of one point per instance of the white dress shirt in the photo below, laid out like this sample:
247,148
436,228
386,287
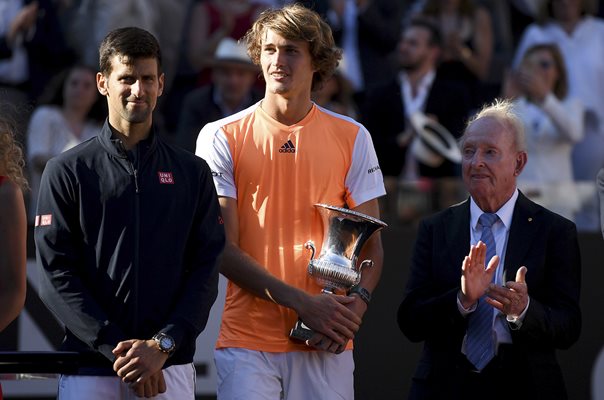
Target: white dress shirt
501,230
415,103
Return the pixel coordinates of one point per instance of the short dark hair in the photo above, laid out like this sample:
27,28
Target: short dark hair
131,43
427,24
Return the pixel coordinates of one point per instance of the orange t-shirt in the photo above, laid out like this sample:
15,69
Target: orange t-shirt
277,173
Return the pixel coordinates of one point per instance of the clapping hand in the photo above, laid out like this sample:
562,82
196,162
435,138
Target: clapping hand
475,278
512,298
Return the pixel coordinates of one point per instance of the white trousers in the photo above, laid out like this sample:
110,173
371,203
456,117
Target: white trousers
255,375
180,385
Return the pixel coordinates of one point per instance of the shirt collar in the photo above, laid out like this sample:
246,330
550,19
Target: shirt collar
505,213
424,83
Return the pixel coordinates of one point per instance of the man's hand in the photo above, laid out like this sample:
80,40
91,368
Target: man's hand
511,299
151,387
324,343
328,314
475,278
358,306
321,342
139,362
533,84
24,20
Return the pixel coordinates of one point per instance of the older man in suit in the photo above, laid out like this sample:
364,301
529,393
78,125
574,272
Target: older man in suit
492,318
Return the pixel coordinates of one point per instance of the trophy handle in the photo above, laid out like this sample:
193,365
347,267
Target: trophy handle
310,245
365,263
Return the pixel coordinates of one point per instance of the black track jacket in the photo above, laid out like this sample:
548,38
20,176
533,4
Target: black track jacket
126,249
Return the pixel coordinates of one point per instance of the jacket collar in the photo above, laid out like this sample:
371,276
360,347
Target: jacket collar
458,230
115,147
526,220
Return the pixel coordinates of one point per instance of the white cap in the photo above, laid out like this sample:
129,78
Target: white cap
231,51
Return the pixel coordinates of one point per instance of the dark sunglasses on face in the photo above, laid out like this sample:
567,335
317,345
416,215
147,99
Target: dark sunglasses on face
545,64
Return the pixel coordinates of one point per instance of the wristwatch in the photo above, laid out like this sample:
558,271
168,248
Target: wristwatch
514,322
362,292
165,342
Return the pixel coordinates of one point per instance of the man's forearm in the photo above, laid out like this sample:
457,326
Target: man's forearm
247,273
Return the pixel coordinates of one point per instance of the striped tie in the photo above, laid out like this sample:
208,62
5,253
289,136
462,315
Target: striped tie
480,342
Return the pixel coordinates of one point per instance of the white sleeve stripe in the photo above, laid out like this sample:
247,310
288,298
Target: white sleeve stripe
213,147
364,179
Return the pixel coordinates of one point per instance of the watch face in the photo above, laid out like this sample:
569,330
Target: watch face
166,343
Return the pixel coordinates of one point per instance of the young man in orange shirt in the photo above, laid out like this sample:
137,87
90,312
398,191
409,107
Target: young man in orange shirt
271,163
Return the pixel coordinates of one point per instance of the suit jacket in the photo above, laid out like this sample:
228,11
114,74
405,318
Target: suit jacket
198,109
383,114
600,184
539,239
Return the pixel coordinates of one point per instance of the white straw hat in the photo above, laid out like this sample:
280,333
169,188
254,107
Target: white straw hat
433,143
231,51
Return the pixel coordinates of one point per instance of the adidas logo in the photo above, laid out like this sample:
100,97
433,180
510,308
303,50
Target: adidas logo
288,147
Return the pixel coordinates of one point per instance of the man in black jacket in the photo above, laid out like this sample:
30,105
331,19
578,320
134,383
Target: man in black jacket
418,88
128,233
494,285
600,186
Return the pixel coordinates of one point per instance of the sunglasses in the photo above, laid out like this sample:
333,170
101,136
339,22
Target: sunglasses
545,64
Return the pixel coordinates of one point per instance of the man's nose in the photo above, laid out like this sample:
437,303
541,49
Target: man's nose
279,59
477,159
137,88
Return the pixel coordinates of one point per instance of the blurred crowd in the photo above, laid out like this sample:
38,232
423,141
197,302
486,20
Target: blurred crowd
412,72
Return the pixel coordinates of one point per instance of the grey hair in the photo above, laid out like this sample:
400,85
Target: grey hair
503,111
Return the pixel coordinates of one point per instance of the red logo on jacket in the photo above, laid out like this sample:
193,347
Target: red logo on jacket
165,178
43,220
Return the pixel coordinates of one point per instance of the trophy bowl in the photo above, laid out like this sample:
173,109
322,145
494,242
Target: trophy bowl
337,268
345,233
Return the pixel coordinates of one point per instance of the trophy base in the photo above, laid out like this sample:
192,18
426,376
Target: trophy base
301,332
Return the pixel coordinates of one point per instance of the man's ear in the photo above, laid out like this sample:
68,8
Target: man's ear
161,85
101,83
521,159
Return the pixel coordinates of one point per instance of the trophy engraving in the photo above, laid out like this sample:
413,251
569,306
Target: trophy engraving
345,233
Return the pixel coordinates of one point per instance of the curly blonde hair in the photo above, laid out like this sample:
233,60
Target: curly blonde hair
296,22
11,154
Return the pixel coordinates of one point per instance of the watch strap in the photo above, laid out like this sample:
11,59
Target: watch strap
362,292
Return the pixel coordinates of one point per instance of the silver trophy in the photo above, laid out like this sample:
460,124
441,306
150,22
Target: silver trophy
345,233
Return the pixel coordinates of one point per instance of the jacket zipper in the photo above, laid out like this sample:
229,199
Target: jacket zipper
135,262
135,174
136,246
